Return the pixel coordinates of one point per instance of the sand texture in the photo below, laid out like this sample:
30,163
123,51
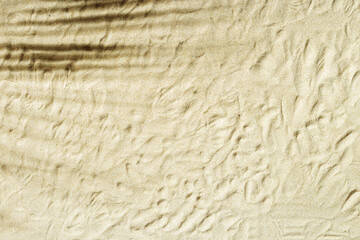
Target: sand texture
179,119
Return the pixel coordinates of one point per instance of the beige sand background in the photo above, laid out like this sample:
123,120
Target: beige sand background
180,119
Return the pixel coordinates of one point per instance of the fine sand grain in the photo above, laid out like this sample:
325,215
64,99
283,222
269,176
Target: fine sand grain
180,119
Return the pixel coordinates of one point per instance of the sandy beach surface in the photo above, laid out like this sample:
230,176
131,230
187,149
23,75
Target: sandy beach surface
180,119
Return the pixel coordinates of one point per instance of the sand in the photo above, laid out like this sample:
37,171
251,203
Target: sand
180,119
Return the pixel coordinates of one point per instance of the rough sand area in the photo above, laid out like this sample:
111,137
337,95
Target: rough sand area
180,119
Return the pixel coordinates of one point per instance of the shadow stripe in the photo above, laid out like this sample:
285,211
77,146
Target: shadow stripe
105,18
94,5
41,66
64,47
56,57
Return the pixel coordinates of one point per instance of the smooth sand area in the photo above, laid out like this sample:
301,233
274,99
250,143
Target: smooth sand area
179,119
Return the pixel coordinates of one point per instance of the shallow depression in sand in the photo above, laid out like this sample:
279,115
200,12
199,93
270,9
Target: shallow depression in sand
180,119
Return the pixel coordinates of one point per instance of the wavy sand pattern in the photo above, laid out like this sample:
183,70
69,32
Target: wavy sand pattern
180,119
